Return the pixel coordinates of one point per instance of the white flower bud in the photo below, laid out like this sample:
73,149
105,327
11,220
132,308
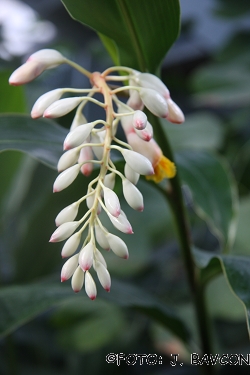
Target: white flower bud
118,246
155,102
103,276
150,81
135,101
61,107
90,201
90,286
68,159
79,119
138,162
132,195
71,245
131,175
139,120
175,114
86,154
109,180
45,101
67,214
99,257
66,178
86,256
112,202
121,223
77,280
64,231
50,58
77,136
69,268
98,138
101,238
145,134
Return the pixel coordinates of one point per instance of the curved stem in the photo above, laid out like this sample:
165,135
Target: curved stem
175,199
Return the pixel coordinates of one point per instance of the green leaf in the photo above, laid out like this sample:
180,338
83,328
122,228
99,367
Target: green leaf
12,98
213,192
143,32
236,269
41,139
20,304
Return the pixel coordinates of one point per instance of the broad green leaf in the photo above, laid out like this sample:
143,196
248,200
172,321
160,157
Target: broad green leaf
41,139
213,191
12,98
143,31
201,131
20,304
236,269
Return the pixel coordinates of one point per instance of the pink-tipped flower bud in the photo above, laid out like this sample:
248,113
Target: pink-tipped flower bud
99,257
139,120
103,275
45,101
61,107
66,178
68,159
71,245
64,231
77,280
35,65
117,245
121,223
90,286
145,134
90,201
138,162
155,102
130,174
111,202
86,256
77,136
86,154
175,114
101,237
98,138
109,180
79,119
69,268
135,101
67,214
150,81
132,195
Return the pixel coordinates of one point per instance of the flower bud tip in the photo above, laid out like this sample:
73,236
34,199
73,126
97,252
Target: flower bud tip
140,209
92,297
63,279
107,289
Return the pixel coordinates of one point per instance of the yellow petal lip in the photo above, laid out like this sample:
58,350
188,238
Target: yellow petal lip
164,168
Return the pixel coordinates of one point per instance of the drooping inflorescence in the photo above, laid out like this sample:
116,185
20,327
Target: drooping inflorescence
91,143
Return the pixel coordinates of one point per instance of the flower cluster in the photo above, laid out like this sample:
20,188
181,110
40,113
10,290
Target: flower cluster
92,143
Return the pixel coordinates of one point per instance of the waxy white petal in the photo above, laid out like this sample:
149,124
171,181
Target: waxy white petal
86,154
68,159
26,73
101,238
90,201
98,150
48,57
69,268
64,231
138,162
77,280
77,136
103,276
99,257
67,214
109,180
175,114
132,195
90,286
154,101
147,133
79,119
121,223
45,101
150,81
62,107
139,120
135,101
130,174
111,202
86,256
66,178
118,246
71,245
